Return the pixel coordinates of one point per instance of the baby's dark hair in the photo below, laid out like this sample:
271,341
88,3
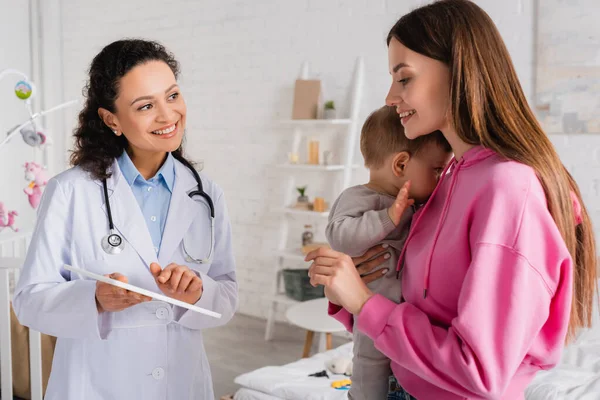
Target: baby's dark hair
383,134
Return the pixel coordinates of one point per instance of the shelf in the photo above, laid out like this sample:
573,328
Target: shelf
343,136
311,167
292,254
291,211
316,122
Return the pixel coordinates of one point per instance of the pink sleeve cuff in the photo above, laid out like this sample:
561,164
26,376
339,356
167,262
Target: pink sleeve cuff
374,315
333,309
342,315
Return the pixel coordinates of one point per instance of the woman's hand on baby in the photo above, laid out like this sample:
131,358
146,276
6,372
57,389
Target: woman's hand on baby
178,281
364,264
339,274
400,205
111,298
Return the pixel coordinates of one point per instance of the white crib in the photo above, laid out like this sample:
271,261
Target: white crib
12,256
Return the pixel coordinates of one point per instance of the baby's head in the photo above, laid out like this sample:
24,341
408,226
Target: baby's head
393,159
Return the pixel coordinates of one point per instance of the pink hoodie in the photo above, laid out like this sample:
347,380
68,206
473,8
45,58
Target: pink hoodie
487,283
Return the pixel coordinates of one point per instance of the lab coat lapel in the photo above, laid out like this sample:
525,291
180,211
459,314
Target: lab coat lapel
182,212
127,216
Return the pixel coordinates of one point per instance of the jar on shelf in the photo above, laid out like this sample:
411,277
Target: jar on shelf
307,235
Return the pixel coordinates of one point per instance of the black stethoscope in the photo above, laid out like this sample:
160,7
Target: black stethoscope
113,243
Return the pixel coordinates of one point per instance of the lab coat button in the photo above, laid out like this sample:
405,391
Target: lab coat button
158,373
162,313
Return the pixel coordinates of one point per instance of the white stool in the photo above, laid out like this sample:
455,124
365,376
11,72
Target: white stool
312,316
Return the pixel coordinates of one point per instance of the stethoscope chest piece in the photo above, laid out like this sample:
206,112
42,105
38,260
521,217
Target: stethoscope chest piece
112,243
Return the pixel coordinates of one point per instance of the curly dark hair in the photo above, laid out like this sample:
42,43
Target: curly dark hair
96,146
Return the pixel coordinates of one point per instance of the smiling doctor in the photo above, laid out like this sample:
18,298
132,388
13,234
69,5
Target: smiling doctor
134,209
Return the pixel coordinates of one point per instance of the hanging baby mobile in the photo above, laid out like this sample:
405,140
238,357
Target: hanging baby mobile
32,134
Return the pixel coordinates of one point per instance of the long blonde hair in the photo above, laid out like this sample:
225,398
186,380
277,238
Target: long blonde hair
489,108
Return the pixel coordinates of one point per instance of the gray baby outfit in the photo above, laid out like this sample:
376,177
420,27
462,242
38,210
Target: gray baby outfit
358,221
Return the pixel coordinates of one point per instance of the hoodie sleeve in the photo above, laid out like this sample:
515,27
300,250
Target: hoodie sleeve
342,315
514,305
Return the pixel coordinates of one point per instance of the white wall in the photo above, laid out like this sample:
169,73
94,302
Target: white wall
568,89
15,53
240,59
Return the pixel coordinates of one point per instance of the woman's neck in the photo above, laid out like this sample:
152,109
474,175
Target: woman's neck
459,147
147,163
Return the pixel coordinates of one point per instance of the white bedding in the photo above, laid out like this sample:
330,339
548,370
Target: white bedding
249,394
577,376
292,381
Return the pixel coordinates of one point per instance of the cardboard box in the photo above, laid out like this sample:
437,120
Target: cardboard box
307,96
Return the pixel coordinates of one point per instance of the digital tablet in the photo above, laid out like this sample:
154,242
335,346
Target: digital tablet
139,290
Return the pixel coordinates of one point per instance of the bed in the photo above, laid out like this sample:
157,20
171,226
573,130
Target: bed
576,377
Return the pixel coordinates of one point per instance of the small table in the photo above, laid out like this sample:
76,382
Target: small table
312,316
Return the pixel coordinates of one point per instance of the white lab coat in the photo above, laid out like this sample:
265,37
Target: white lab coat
152,350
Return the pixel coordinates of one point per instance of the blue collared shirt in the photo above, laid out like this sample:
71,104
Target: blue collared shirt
153,195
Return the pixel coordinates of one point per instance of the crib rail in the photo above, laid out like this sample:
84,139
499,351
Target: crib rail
12,256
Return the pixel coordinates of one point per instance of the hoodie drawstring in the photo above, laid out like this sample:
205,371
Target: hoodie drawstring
438,229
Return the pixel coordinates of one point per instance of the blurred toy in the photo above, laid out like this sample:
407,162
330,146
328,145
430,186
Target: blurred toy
340,366
24,90
343,384
7,218
321,374
31,135
36,175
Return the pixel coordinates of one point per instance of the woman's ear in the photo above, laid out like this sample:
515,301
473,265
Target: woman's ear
399,163
110,120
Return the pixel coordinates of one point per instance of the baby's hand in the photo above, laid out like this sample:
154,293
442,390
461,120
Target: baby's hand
400,205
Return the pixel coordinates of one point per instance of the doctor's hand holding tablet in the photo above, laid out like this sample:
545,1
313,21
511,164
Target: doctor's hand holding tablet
176,281
112,298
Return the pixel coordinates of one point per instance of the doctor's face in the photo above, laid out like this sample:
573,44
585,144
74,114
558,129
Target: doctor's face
150,110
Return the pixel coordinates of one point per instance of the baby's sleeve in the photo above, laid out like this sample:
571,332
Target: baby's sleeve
356,223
